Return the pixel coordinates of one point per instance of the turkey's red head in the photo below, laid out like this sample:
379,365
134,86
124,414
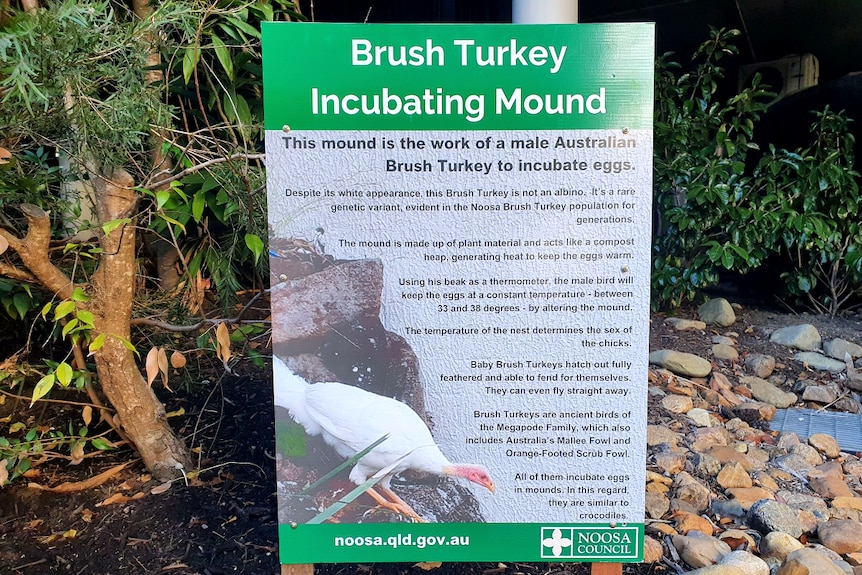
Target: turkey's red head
475,473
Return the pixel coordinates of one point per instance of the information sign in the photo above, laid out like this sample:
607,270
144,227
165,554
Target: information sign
460,223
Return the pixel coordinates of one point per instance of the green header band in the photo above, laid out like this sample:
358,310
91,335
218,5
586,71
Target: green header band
457,77
395,542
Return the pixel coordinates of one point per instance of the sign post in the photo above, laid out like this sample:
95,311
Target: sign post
487,189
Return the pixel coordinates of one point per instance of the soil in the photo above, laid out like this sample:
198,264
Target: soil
224,520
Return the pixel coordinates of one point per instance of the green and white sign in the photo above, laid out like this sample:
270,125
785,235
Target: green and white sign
460,236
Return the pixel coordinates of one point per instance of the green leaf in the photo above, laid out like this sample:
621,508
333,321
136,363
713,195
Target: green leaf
109,227
21,301
97,343
86,318
64,309
100,444
70,325
191,57
79,295
162,197
64,374
42,388
198,204
255,244
223,55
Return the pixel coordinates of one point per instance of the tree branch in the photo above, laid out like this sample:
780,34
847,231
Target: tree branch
33,251
201,166
206,321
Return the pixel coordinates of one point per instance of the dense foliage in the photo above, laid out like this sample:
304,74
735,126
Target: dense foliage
725,205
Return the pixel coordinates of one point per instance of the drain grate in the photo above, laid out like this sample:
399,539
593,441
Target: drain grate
846,428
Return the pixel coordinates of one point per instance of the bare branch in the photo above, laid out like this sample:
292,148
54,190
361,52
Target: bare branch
204,322
202,166
34,250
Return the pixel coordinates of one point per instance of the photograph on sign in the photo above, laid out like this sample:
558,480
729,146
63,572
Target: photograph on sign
460,258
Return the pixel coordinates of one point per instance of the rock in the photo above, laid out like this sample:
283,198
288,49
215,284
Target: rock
733,475
670,462
718,569
725,352
819,393
700,551
853,502
808,562
745,562
841,535
825,444
691,490
680,324
747,497
737,538
704,438
755,411
768,515
764,391
760,365
804,337
677,403
819,361
701,417
688,523
727,454
811,455
656,504
778,545
340,294
836,348
657,434
724,340
717,312
681,363
727,508
653,550
830,487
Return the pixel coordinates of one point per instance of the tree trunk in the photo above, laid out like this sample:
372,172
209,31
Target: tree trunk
141,414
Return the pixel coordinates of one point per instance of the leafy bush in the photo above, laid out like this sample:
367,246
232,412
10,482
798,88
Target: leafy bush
797,209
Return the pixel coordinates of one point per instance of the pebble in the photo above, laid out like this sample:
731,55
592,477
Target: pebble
841,535
778,545
804,337
825,444
717,312
681,363
747,563
732,497
766,392
700,550
725,352
678,404
760,365
819,361
733,475
768,515
808,562
836,348
680,324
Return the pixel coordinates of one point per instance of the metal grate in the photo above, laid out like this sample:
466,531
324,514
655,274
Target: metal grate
846,428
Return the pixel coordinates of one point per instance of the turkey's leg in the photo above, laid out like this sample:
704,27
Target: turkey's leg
393,503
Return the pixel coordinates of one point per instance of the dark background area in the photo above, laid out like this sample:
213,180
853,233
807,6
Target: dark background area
772,29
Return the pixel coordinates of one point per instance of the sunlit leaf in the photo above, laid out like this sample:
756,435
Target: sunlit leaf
191,57
64,374
42,388
109,227
97,343
87,415
255,245
64,309
176,413
101,444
